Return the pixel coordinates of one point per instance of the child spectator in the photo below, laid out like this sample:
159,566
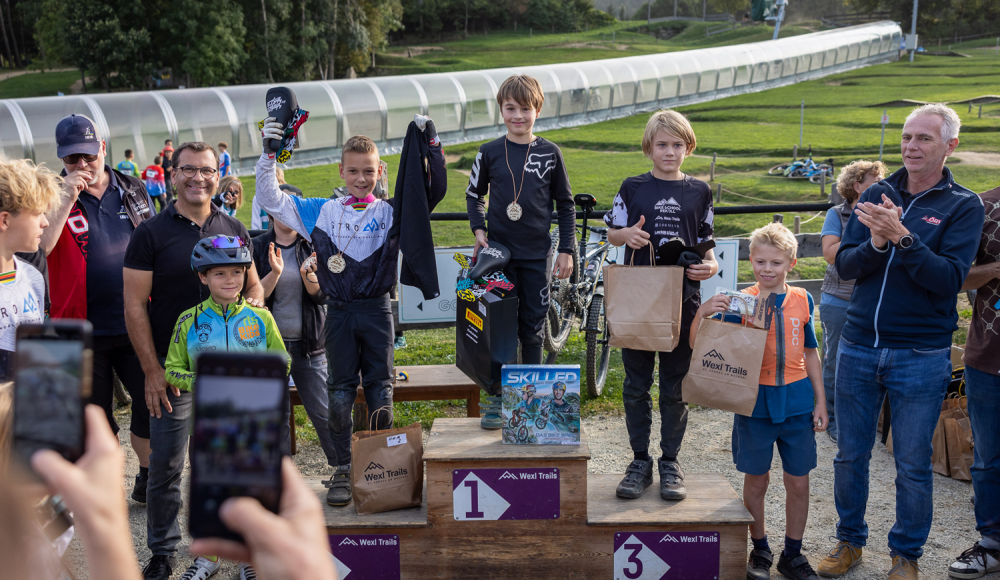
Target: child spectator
525,175
853,180
27,192
230,196
128,167
225,161
358,262
155,185
223,323
653,208
790,403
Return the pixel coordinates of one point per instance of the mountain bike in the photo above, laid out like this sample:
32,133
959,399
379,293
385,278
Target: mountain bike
804,169
580,299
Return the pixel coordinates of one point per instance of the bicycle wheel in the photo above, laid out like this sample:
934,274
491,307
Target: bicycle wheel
560,318
798,173
778,169
598,349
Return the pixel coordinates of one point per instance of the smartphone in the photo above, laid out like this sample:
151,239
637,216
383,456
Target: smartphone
52,381
240,407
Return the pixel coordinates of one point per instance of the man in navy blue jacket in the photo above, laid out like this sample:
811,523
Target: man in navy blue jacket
909,245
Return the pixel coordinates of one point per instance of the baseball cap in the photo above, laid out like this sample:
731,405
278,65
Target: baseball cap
77,134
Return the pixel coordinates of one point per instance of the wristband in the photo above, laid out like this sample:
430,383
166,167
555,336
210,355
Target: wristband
883,249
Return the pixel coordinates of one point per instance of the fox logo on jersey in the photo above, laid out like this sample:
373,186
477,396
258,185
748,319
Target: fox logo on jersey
540,163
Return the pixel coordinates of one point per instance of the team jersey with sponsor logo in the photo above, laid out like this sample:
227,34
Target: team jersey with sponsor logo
22,301
211,327
536,175
334,226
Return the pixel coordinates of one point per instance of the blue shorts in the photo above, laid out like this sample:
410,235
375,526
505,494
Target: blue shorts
754,439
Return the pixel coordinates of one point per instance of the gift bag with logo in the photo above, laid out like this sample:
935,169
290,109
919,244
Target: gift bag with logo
387,468
643,305
725,367
958,434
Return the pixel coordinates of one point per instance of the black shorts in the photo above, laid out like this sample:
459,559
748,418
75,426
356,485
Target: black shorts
115,353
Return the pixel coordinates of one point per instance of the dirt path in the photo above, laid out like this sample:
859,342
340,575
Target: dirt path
978,158
17,73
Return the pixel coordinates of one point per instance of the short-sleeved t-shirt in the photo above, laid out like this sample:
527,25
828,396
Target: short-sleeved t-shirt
22,297
154,180
831,224
225,164
982,348
673,209
162,245
128,168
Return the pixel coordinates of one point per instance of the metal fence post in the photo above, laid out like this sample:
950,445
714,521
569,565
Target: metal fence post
711,171
822,184
980,112
779,218
718,193
802,121
795,152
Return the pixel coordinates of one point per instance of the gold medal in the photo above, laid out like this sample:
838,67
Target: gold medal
336,263
514,211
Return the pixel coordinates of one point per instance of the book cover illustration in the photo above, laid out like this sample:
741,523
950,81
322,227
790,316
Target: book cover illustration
541,404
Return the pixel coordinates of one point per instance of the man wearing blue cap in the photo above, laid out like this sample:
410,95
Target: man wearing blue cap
100,213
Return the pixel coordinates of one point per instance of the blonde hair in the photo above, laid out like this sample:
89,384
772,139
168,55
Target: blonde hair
279,174
359,144
26,186
856,172
523,90
777,236
671,122
951,123
228,181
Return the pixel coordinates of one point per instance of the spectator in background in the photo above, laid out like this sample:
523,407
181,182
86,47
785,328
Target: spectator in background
908,247
128,167
167,159
982,385
155,186
286,264
854,179
230,196
258,217
225,161
86,271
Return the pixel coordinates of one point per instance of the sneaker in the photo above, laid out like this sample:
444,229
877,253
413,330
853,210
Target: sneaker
491,412
399,343
759,565
796,568
975,562
638,476
903,569
841,558
340,486
201,568
158,568
139,489
671,480
247,572
832,433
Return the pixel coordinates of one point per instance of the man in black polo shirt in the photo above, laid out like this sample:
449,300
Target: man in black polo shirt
159,286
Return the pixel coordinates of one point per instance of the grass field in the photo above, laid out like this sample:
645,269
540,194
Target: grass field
749,133
46,84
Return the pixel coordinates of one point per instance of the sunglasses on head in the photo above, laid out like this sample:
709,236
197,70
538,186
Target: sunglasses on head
227,243
75,158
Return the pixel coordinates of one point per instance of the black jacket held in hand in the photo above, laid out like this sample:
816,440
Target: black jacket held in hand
313,314
420,185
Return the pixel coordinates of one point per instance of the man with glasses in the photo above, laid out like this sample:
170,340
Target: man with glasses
159,286
100,214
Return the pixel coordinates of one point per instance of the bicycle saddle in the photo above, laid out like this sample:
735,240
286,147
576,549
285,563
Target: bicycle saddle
586,201
492,258
281,104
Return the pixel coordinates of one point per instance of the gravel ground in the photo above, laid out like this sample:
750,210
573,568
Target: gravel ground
706,449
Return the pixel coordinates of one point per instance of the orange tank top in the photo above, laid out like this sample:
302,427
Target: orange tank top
784,356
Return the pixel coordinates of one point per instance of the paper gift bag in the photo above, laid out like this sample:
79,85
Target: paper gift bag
387,469
958,433
725,367
952,408
643,306
486,338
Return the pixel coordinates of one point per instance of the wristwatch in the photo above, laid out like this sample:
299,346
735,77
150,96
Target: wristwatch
905,242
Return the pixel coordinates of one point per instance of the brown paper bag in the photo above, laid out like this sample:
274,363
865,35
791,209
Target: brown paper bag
939,456
958,433
643,305
725,367
387,469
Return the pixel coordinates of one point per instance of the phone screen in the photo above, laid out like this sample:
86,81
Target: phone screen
48,396
236,447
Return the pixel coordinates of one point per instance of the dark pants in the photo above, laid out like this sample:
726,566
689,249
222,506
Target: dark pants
310,376
531,283
358,342
160,200
639,366
115,353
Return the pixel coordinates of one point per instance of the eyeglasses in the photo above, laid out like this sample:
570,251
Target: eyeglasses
189,171
225,243
75,158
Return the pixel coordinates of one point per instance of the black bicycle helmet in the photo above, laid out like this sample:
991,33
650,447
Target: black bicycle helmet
220,250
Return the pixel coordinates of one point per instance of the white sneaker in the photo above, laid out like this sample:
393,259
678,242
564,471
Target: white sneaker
201,569
247,572
975,562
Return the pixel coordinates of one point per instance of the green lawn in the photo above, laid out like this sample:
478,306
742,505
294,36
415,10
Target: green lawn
46,84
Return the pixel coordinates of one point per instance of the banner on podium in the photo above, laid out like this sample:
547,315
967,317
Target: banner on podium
667,555
505,494
366,557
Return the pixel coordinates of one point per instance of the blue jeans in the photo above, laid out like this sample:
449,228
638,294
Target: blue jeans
983,390
309,373
168,438
915,381
833,317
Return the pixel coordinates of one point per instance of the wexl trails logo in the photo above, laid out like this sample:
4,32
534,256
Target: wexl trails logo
714,362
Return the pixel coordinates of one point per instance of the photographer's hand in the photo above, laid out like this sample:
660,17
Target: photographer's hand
287,546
